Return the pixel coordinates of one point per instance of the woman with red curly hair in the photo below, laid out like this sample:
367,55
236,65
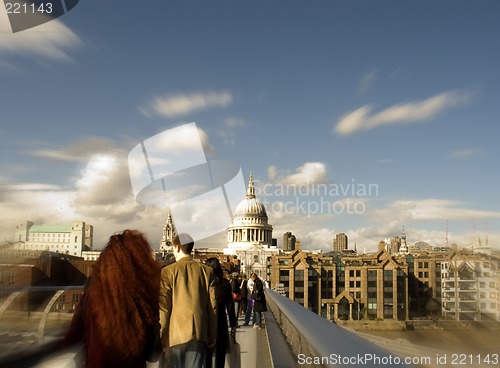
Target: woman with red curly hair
118,315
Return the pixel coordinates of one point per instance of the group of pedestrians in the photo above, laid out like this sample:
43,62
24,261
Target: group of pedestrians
249,299
133,313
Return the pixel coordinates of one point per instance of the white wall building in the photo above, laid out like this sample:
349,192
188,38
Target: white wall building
470,288
68,239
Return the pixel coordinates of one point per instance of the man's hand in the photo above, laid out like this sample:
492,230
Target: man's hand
211,344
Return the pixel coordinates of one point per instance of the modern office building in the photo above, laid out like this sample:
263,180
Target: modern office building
368,286
288,241
340,243
305,276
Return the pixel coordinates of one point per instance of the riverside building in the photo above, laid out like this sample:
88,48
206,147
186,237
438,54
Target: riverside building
71,239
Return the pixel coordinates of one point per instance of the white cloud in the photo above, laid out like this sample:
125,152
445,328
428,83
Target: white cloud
105,180
51,40
183,104
101,196
405,113
272,172
308,173
316,239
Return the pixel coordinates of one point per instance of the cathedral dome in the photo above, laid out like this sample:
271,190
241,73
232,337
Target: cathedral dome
250,206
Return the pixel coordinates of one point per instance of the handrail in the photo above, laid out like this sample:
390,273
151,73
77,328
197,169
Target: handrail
42,288
31,355
317,342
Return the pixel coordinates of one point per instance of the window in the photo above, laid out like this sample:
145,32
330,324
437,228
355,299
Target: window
12,277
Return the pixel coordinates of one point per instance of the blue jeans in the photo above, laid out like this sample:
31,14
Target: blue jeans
257,318
237,308
249,311
191,354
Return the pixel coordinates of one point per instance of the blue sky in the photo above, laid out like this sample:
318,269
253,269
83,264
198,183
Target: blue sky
400,94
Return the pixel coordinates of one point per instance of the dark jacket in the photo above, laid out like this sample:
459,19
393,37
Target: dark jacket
235,286
244,289
258,296
225,309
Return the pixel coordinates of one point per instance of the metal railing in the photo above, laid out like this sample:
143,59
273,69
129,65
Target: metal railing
32,320
317,342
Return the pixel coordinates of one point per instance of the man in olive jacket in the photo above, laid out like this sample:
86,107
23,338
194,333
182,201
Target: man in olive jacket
188,308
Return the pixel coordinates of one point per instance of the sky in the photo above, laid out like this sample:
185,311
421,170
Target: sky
360,117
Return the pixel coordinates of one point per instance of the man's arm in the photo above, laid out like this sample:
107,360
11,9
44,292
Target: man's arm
165,307
212,311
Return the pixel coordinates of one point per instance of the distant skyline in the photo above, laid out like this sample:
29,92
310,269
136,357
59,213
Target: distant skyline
334,97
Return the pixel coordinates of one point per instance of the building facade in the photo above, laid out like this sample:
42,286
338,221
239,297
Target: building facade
288,241
470,287
340,243
355,287
249,236
71,239
306,277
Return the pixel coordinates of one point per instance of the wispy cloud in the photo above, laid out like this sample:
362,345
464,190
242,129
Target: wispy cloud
228,133
77,151
234,123
9,67
363,119
466,152
430,209
367,81
183,104
51,40
33,187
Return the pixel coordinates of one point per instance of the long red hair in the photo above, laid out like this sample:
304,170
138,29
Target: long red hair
123,293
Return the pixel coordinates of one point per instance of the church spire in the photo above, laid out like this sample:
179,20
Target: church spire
251,188
404,246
